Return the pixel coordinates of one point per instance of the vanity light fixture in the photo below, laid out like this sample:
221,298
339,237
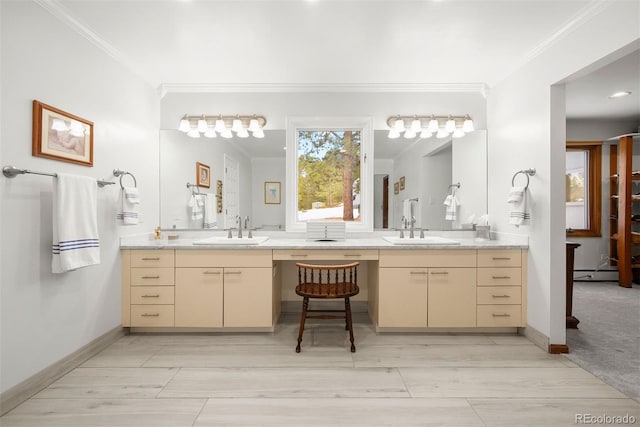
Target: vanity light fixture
428,125
211,126
619,94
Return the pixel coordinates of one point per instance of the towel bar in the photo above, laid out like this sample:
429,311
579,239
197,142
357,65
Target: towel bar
12,172
121,174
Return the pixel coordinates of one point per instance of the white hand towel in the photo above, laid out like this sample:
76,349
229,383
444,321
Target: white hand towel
515,194
407,212
452,203
196,203
75,223
209,210
518,212
129,207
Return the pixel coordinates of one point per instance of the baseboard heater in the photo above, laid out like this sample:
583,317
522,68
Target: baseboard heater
326,231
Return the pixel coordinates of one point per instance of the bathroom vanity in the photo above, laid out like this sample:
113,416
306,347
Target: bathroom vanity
181,286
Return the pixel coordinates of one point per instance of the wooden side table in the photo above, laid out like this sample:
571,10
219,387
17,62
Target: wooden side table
572,322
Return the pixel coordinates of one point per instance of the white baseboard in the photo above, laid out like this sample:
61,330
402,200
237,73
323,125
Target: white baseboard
535,336
34,384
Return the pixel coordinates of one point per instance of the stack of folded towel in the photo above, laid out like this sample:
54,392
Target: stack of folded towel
518,212
75,223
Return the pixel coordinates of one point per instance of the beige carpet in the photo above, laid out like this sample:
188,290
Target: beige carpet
607,343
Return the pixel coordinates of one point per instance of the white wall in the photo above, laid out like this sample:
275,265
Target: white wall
589,255
267,170
527,129
45,317
469,168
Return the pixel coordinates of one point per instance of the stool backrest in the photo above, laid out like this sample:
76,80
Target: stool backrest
342,275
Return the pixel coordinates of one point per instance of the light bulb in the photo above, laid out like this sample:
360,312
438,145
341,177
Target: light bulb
237,125
243,133
433,125
202,125
226,133
393,134
58,124
254,125
258,133
458,133
426,133
184,125
415,125
193,133
210,133
398,126
220,126
450,125
409,134
442,133
467,126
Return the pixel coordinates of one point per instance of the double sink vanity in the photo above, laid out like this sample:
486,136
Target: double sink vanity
215,283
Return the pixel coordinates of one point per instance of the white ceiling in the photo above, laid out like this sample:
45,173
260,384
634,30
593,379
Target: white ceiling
193,45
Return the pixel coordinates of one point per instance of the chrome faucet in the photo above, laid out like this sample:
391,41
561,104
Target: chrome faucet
246,226
413,223
239,221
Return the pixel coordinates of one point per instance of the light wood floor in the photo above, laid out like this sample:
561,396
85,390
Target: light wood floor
258,379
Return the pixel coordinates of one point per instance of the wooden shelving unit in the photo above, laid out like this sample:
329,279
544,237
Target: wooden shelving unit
625,231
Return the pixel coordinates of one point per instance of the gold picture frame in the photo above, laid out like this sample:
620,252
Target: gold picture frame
62,136
272,193
401,183
396,187
203,175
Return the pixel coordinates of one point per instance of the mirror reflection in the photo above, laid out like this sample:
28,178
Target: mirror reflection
411,178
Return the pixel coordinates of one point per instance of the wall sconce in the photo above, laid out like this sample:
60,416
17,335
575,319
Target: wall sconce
427,126
211,126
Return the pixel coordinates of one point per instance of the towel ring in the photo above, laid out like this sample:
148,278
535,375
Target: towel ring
525,172
121,174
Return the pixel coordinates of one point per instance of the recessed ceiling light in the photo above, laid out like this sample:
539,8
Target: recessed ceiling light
619,94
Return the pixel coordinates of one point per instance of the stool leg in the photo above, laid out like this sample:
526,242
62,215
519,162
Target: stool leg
303,317
347,306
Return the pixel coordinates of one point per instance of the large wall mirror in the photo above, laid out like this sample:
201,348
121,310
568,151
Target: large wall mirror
425,171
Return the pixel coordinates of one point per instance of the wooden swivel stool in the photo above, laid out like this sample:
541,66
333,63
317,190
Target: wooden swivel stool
327,282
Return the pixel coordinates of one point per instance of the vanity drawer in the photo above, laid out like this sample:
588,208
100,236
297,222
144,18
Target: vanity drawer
499,257
325,254
152,276
499,315
152,315
499,295
149,295
499,276
427,258
152,258
223,258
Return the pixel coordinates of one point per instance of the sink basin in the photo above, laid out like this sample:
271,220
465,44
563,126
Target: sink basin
428,240
223,240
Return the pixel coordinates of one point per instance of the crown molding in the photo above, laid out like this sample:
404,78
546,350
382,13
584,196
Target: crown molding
55,8
592,9
320,87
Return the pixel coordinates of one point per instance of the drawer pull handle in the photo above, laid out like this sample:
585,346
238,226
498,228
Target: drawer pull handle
501,277
440,272
150,277
151,259
233,272
352,255
151,296
298,255
417,272
501,315
151,315
500,296
211,272
501,258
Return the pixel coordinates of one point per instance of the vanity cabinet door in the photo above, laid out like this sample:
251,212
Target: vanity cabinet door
248,297
198,297
402,297
452,297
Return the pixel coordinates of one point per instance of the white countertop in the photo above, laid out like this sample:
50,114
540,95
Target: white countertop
283,240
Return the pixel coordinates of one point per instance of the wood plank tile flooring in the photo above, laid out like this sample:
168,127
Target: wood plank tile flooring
258,380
